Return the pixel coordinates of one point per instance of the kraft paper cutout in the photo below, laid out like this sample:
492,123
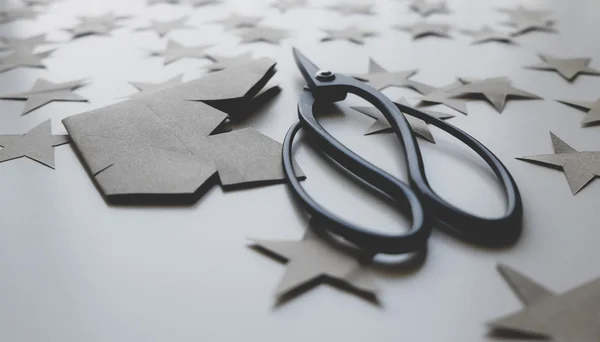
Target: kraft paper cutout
592,107
44,92
235,21
175,51
286,5
350,33
566,317
443,95
349,8
495,90
381,125
426,8
568,68
487,34
23,59
97,25
527,23
312,261
423,29
379,78
37,144
521,11
263,34
580,168
24,44
161,148
162,28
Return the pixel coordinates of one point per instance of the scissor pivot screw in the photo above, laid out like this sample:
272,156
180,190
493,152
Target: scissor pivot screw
325,75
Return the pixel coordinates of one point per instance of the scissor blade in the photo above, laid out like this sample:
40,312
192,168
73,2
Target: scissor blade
307,68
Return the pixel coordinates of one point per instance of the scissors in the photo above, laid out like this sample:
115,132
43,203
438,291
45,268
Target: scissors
425,206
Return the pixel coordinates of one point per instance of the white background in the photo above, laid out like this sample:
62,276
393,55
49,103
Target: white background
73,268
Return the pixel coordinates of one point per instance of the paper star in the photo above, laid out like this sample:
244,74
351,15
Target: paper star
37,144
422,29
381,125
38,2
176,51
285,5
487,34
165,27
263,34
44,92
443,95
199,3
234,21
592,108
99,25
379,78
568,68
313,260
426,8
224,62
24,44
496,90
150,88
350,33
566,317
349,8
524,24
580,168
23,58
521,11
157,2
14,14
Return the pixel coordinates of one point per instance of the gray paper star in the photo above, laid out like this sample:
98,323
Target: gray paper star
157,2
263,34
521,11
165,27
496,90
572,316
592,108
23,58
24,44
568,68
348,8
99,25
379,78
381,125
14,14
524,24
234,21
580,168
44,92
39,2
224,62
149,88
443,95
285,5
313,260
199,3
37,144
426,8
487,34
422,29
350,33
176,51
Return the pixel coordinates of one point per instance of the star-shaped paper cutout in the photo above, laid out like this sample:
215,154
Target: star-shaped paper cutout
97,25
521,11
149,88
422,29
379,78
312,260
568,68
23,44
14,14
443,95
157,2
261,33
350,33
176,51
44,92
381,125
234,21
285,5
496,90
523,24
162,28
23,58
487,34
349,8
592,107
426,8
566,317
39,2
224,62
199,3
580,168
37,144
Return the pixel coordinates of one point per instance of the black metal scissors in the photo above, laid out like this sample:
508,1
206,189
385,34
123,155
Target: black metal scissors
425,206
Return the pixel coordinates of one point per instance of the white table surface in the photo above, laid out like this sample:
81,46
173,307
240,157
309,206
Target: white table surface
73,268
